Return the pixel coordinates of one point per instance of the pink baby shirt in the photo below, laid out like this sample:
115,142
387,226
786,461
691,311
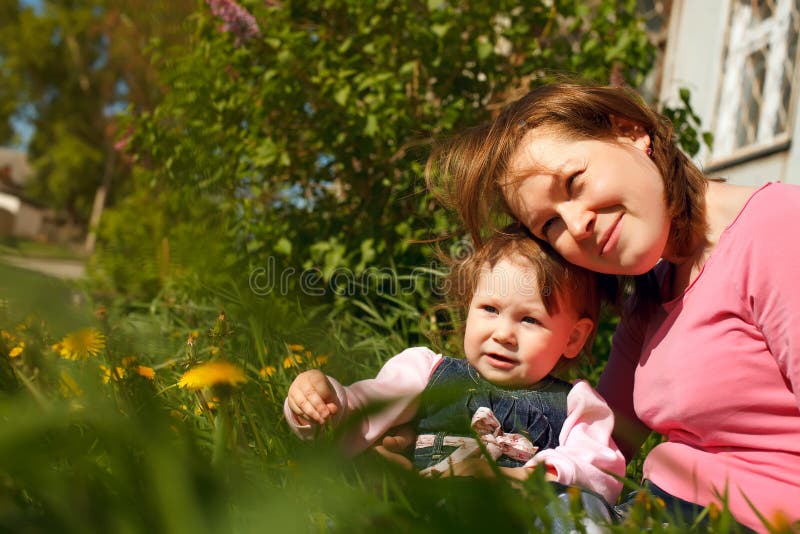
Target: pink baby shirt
586,455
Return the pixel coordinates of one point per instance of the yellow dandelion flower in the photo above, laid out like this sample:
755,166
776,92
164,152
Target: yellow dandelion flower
322,359
117,374
308,355
210,404
5,335
713,511
295,347
210,374
292,360
127,361
82,344
194,334
147,372
16,351
267,371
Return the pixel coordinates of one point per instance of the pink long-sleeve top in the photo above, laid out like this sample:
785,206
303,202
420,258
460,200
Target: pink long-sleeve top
717,369
586,455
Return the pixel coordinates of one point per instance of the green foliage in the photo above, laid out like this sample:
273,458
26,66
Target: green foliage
67,69
688,125
155,238
311,137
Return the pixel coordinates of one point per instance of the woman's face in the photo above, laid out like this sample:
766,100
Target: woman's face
599,203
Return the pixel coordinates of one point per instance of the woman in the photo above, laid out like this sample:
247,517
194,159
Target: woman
708,350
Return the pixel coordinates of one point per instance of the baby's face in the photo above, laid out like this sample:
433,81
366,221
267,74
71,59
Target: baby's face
510,338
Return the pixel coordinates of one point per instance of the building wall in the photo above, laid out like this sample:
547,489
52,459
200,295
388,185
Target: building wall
29,222
695,59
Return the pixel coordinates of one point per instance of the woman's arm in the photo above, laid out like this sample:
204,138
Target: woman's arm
771,278
616,386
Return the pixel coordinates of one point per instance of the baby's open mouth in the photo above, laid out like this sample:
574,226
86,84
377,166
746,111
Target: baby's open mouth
500,358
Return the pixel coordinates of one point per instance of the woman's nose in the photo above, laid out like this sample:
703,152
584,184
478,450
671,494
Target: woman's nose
579,222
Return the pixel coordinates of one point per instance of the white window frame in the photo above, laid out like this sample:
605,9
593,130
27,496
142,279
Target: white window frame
771,35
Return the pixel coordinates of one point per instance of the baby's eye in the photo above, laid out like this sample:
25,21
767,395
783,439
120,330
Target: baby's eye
489,309
530,320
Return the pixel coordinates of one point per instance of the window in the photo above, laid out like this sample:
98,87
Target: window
755,96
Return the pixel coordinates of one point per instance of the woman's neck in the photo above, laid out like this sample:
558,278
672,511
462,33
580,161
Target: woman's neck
723,202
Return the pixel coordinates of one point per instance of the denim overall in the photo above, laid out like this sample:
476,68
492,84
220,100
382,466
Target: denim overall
456,390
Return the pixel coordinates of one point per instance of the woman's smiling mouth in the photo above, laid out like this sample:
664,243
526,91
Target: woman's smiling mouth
610,240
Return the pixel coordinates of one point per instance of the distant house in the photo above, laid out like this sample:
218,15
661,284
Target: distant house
739,60
19,217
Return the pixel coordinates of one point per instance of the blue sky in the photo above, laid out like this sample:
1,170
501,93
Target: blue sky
36,4
24,129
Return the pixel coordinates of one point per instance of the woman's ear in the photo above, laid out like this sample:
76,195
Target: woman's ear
578,336
629,132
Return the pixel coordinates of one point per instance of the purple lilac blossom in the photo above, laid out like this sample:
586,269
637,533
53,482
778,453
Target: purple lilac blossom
236,20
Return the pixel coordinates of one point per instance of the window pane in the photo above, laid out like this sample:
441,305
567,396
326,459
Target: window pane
761,9
747,123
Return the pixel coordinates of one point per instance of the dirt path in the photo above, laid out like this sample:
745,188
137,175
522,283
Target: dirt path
64,269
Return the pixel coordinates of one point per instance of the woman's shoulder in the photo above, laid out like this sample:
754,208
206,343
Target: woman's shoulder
767,207
759,245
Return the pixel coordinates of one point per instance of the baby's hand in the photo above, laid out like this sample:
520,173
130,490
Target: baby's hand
311,397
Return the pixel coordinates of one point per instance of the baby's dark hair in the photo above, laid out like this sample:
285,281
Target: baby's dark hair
558,282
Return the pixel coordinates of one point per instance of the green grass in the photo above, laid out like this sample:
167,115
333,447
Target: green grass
58,303
36,249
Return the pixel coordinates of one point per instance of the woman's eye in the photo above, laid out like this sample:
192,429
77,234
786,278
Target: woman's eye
571,181
548,224
529,320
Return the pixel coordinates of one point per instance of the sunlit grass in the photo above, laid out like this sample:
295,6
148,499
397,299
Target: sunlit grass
62,305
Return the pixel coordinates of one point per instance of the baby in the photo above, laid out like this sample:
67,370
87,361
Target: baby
527,313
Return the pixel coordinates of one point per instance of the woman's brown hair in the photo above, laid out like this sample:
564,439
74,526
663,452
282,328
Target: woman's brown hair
468,171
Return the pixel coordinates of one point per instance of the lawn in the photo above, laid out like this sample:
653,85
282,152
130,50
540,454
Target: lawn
60,304
37,249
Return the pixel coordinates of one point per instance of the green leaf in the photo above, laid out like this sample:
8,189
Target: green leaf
283,246
372,126
440,30
341,95
485,48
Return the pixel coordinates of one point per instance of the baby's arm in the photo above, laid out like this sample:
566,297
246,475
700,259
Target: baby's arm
396,389
311,397
587,455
